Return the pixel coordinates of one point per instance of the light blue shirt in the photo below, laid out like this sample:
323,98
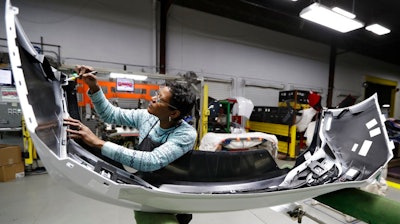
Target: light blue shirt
176,140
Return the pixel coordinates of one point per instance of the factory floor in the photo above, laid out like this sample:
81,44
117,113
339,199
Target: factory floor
39,199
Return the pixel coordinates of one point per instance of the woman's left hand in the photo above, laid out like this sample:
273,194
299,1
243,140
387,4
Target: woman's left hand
77,130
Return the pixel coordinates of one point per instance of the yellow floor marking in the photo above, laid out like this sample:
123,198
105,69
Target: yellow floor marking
393,184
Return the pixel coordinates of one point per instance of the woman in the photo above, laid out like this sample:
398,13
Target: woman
163,134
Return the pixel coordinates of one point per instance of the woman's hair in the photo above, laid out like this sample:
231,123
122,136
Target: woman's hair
181,97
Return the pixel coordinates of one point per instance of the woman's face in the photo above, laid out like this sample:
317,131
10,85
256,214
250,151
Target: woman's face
159,105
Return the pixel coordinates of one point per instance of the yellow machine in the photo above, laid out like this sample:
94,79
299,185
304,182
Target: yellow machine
29,148
205,112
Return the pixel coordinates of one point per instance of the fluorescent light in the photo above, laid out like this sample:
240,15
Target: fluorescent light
128,76
322,15
344,12
377,29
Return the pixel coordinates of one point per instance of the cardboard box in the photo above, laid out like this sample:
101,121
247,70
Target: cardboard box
11,172
11,164
10,154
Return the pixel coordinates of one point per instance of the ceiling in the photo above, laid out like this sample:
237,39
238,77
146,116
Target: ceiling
283,16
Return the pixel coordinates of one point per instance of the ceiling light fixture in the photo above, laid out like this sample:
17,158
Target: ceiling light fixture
344,12
128,76
325,16
378,29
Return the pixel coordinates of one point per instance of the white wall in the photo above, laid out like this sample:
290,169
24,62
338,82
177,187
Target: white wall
215,46
112,31
352,69
123,32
